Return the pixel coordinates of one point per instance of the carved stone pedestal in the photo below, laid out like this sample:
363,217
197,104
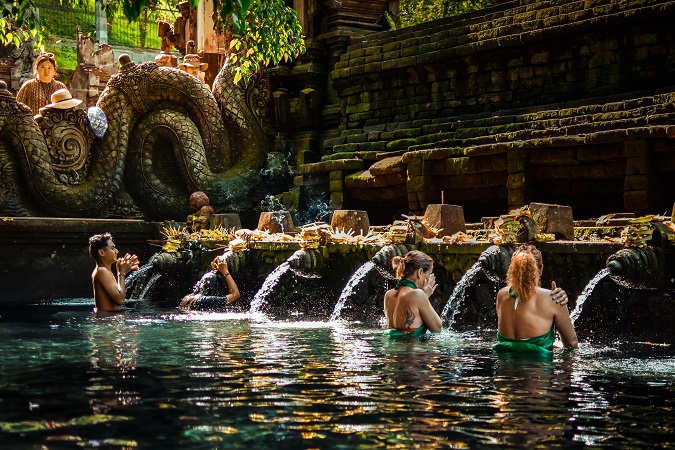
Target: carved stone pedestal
556,219
227,221
348,219
276,222
448,218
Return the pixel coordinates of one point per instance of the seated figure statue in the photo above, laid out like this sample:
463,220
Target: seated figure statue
199,202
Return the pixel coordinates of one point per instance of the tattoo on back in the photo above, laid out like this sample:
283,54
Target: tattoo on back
408,318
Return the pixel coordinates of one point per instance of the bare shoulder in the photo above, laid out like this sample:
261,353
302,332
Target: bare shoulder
416,295
502,294
101,273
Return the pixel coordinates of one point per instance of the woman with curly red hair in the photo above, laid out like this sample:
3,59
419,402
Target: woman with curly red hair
407,307
526,316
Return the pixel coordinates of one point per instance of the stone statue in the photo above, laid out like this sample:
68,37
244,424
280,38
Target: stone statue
168,135
165,32
200,219
192,64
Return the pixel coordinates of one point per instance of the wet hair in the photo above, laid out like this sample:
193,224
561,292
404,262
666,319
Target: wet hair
408,264
97,242
525,271
42,57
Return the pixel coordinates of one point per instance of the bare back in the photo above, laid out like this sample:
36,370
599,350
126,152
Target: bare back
407,309
533,317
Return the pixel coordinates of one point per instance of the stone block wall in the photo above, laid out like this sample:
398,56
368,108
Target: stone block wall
521,55
554,101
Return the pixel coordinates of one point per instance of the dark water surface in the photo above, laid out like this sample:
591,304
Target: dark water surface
163,379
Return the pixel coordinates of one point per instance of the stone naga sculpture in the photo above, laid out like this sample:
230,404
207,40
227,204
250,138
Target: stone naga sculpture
168,136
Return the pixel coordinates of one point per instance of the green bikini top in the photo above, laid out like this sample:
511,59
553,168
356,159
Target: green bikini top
513,295
405,282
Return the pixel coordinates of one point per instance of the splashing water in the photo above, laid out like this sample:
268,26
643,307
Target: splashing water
260,298
150,284
269,204
586,293
460,287
137,280
360,273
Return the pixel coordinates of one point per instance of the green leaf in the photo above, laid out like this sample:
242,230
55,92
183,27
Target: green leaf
245,4
226,8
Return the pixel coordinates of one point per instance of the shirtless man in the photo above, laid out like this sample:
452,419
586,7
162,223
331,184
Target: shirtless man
407,307
109,293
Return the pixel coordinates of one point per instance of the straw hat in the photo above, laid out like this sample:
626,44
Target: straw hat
62,99
192,60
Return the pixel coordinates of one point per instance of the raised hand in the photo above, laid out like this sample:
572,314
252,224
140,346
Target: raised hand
126,264
430,286
219,263
558,295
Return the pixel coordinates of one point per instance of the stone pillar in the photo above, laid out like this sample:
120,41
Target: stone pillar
335,187
520,179
101,23
416,184
639,193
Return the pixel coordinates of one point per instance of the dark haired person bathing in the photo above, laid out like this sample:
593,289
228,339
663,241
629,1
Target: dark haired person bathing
407,307
526,316
109,293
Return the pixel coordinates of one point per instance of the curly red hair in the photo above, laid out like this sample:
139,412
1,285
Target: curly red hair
525,271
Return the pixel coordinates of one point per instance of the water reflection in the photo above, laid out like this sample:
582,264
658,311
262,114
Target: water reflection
114,358
205,380
532,400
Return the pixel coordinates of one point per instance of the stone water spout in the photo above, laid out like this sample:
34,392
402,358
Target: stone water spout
635,268
307,262
495,261
358,289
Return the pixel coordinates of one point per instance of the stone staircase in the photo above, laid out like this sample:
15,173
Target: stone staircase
552,101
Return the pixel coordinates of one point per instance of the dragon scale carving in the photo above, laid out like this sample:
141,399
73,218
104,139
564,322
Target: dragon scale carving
168,135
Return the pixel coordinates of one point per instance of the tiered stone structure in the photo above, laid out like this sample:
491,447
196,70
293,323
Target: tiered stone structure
556,101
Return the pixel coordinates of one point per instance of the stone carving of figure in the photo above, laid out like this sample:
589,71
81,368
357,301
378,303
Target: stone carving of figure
199,202
37,92
67,135
192,64
165,32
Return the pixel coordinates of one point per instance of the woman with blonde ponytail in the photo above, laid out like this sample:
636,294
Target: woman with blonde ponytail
407,307
526,316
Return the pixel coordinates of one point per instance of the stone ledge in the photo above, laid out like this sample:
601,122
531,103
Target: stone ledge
329,166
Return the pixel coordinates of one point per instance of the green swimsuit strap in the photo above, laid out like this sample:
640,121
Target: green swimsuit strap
405,282
513,295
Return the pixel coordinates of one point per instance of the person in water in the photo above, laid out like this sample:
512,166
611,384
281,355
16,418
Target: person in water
205,297
407,307
526,316
37,92
109,293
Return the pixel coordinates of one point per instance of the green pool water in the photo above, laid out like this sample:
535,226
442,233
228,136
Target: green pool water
164,379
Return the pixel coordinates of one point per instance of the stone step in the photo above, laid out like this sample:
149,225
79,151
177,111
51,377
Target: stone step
437,47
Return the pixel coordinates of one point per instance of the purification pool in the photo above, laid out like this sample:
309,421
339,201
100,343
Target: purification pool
165,379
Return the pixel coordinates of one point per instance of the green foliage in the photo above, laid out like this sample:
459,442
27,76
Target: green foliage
418,11
263,32
19,22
